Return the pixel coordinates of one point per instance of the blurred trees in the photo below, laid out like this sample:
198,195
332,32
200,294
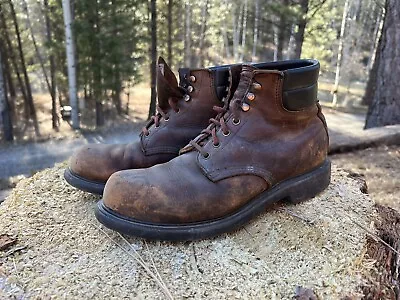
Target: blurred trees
113,44
385,96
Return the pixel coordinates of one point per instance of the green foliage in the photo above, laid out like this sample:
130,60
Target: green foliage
112,38
321,39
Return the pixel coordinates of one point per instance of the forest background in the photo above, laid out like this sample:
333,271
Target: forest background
116,43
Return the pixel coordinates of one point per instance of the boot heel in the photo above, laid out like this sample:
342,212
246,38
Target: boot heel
310,184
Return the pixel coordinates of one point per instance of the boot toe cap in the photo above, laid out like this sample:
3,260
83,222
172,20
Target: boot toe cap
91,162
130,193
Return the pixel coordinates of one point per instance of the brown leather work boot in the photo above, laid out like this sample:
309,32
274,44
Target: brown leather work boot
270,145
183,111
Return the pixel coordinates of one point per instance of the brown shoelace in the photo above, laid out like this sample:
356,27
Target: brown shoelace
160,113
215,123
239,102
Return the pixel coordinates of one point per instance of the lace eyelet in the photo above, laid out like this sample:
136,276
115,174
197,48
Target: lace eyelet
178,111
206,156
227,134
190,89
187,98
166,119
245,107
192,78
257,86
147,133
251,96
216,145
236,122
157,126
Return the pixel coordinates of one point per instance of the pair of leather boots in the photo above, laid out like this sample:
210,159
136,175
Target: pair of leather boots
226,143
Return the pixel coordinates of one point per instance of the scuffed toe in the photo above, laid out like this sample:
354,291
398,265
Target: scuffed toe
92,162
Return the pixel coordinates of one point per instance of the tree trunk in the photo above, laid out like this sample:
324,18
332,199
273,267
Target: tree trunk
54,115
70,48
41,62
292,42
370,89
97,67
30,111
385,105
244,31
282,31
340,52
255,33
7,73
169,42
302,24
188,33
117,84
237,23
5,115
225,34
153,57
10,51
204,13
8,84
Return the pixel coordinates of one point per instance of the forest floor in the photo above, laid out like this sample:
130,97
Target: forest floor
349,98
380,167
137,112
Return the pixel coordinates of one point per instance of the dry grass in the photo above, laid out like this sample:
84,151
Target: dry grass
381,170
66,257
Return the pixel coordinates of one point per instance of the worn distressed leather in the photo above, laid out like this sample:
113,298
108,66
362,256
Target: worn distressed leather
160,143
262,147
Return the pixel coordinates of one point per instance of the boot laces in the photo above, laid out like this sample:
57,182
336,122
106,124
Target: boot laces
240,100
165,113
219,122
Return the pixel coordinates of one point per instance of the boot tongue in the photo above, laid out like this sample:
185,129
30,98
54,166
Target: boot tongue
234,75
184,74
246,77
167,85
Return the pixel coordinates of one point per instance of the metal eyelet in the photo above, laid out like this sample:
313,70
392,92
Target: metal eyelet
157,126
251,96
190,89
257,86
166,119
245,107
236,122
206,156
223,133
216,145
192,78
186,98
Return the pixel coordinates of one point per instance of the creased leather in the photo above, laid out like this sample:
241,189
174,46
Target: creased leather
269,145
98,162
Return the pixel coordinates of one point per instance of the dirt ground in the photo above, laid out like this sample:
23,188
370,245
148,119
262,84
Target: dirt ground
138,109
381,169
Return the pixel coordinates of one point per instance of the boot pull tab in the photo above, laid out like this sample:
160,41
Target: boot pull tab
162,70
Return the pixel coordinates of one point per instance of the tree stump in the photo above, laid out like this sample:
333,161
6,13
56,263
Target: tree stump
317,248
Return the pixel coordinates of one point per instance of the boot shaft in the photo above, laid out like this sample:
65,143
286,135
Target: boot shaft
186,107
276,128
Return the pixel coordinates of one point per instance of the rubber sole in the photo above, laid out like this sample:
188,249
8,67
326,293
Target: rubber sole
84,184
294,190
